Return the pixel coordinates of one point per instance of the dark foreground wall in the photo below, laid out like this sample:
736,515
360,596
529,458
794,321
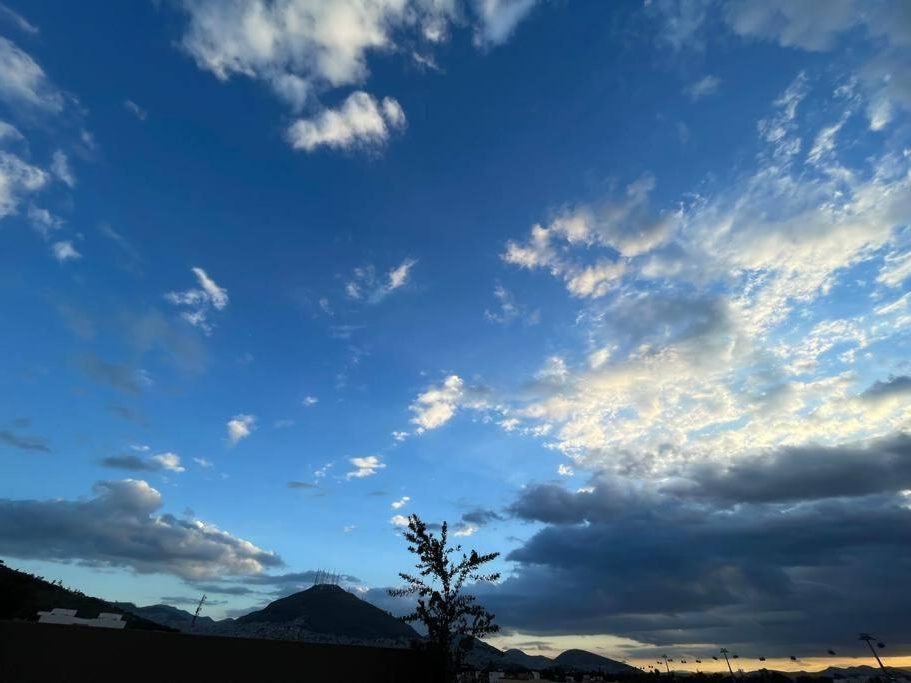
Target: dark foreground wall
31,651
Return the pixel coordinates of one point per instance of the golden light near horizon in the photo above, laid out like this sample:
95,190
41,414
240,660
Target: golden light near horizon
631,652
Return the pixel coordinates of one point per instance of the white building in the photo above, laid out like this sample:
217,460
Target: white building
68,616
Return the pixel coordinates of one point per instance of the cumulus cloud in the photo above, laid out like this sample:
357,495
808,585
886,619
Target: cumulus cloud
365,467
361,122
624,225
200,301
400,503
240,427
398,520
122,526
705,342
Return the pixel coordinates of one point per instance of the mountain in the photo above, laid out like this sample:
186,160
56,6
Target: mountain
589,661
527,661
482,655
23,595
328,611
167,615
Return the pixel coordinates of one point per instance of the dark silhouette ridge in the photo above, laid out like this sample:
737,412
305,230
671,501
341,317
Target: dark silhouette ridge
329,609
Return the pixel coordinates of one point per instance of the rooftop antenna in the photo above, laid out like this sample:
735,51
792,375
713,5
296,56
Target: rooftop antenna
198,608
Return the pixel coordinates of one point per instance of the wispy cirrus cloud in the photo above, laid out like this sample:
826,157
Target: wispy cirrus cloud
199,302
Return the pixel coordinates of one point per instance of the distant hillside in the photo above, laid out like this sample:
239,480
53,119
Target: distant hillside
167,615
330,610
531,662
589,661
23,595
482,655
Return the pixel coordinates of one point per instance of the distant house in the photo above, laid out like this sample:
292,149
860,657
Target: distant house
68,616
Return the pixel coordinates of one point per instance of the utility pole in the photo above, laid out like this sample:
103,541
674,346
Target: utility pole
196,614
866,637
724,651
666,660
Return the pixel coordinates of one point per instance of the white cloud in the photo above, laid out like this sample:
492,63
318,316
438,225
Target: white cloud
60,167
310,401
9,132
65,251
704,87
240,427
625,225
18,20
365,285
398,276
565,471
499,18
43,221
398,520
399,436
17,178
710,345
168,461
349,528
359,123
202,462
465,530
24,83
401,502
508,308
895,270
303,49
365,467
436,406
135,110
200,301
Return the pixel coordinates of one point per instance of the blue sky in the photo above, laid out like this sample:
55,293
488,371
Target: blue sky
275,273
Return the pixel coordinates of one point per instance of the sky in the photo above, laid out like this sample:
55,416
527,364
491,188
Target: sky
618,290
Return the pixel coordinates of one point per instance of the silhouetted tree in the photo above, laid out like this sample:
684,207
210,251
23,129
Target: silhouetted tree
452,618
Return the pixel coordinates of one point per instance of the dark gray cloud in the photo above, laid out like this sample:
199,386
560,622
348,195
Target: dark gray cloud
121,526
127,413
223,589
188,601
132,463
893,387
23,442
119,376
805,473
740,557
301,485
481,516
